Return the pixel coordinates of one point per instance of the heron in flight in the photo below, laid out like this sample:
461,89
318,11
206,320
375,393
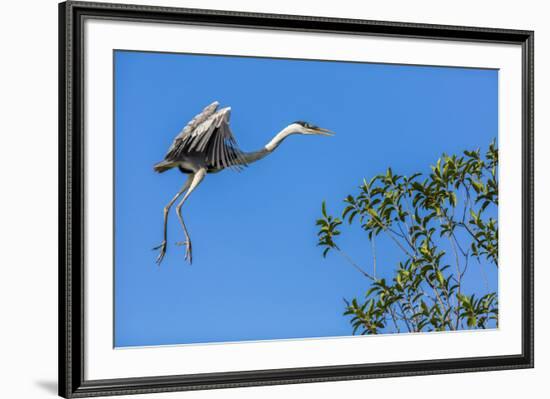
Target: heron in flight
207,145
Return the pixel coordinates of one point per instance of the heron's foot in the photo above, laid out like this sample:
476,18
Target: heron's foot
188,250
162,248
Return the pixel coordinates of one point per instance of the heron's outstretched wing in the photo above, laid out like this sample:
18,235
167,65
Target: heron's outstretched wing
215,139
212,137
178,145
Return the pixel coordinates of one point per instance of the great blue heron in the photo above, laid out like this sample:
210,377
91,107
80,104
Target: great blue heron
207,145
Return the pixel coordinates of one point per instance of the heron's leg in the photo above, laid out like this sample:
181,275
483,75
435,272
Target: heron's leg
197,178
162,246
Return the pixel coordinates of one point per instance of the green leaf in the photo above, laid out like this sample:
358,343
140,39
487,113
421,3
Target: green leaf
440,277
452,199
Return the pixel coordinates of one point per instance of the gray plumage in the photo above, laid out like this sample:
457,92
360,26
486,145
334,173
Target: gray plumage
206,141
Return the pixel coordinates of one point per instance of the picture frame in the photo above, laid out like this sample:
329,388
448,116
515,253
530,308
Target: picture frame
73,380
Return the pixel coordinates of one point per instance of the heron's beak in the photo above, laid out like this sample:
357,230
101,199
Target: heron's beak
321,131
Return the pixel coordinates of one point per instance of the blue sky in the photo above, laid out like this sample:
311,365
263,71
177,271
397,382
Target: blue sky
257,273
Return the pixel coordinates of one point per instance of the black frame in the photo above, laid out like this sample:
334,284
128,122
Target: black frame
71,196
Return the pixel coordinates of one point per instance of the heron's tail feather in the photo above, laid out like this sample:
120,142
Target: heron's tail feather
163,166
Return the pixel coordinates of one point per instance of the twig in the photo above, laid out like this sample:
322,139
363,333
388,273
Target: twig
355,265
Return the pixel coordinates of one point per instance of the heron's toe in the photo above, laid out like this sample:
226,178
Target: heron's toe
162,248
188,250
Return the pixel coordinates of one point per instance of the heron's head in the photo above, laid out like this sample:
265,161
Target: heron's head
302,127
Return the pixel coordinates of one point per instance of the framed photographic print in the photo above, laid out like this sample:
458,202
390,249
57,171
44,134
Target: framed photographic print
253,199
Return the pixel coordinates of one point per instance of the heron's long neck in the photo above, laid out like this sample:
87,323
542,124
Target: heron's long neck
269,147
